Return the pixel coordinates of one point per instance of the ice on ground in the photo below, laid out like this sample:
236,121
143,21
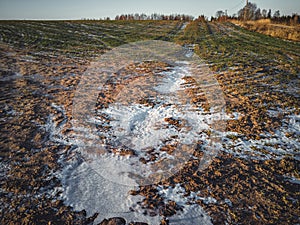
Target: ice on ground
270,146
101,182
87,190
140,127
172,80
191,212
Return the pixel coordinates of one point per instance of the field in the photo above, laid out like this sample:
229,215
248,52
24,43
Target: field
254,177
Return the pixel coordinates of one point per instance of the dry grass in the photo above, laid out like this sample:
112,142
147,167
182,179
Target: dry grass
260,22
265,26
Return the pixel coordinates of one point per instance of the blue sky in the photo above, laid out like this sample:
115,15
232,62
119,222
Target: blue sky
77,9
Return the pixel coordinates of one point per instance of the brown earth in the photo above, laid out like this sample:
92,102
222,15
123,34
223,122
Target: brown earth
257,189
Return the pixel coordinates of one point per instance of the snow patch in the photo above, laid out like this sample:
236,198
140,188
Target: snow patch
101,182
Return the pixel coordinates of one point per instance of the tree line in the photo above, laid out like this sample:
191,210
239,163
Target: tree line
154,16
252,12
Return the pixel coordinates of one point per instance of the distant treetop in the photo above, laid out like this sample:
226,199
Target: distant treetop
154,16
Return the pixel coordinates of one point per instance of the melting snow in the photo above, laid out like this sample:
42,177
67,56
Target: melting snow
101,183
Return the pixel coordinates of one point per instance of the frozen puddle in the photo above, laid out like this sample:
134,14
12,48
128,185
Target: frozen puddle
87,190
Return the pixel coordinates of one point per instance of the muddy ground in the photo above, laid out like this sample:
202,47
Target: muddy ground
258,187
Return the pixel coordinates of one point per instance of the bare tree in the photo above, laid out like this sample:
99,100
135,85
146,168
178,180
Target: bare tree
276,14
269,14
257,14
219,14
296,19
264,13
248,12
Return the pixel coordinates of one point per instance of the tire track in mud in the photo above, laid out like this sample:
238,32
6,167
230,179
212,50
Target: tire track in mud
239,77
253,88
255,39
254,59
171,34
